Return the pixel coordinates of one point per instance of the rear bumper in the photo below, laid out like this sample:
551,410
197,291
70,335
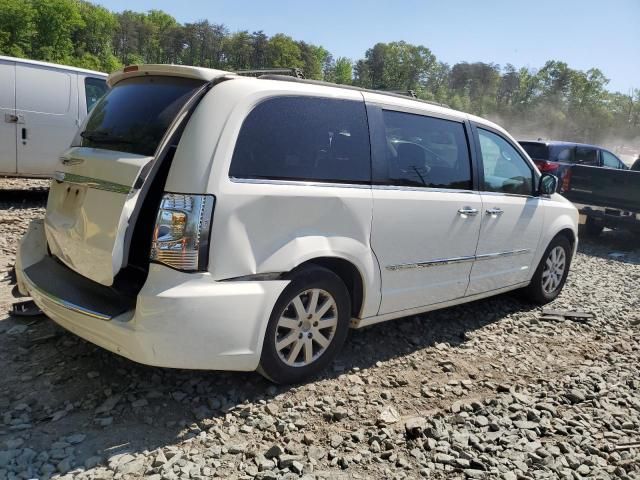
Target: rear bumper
180,320
611,217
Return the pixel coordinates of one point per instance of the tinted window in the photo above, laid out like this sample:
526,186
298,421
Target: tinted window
94,89
135,114
426,152
304,138
561,153
586,156
610,160
537,151
505,170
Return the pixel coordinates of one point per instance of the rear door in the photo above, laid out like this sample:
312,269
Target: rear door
97,183
426,216
8,117
47,103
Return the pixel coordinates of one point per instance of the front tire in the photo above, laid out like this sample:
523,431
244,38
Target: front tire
551,274
307,328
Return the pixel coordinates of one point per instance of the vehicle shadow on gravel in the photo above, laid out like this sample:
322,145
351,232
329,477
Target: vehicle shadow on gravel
57,385
15,197
620,246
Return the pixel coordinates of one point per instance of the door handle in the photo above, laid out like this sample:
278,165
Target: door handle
468,212
495,212
11,118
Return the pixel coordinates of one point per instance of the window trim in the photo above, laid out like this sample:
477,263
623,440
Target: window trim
377,131
298,183
535,175
273,180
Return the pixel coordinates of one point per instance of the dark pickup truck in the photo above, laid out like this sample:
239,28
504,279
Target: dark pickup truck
606,197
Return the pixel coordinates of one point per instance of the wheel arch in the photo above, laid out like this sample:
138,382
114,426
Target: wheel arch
569,234
564,224
348,273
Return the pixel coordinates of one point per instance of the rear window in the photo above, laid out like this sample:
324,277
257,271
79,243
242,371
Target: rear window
537,151
561,153
94,89
586,156
135,114
304,138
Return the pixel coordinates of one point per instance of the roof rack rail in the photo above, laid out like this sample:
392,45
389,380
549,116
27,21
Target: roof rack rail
409,93
291,72
406,93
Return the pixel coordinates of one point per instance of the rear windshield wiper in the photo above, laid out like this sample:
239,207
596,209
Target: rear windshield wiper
103,137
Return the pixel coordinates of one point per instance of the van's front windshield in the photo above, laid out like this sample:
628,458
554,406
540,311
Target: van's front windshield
135,114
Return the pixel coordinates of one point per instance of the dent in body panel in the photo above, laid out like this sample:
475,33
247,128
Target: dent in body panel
275,228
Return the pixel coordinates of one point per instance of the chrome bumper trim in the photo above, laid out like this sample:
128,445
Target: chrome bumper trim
92,183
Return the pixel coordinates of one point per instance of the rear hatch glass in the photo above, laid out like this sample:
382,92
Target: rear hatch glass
537,151
134,116
96,187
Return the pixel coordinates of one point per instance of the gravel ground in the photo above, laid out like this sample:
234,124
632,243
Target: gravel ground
484,390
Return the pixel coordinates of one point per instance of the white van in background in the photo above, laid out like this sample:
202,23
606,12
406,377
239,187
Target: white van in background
41,107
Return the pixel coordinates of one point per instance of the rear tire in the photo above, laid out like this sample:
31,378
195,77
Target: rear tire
593,228
307,328
551,274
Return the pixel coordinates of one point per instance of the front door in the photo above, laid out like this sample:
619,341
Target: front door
512,217
47,102
426,216
8,117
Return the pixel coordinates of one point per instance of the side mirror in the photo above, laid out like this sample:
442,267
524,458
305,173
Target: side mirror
548,184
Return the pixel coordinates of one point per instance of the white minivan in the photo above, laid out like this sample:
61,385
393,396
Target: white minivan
206,220
41,107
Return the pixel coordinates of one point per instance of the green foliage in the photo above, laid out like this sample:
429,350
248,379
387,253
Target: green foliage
554,101
343,71
17,27
55,22
283,52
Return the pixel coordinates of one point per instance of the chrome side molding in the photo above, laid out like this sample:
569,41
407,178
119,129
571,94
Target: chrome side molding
454,260
490,256
431,263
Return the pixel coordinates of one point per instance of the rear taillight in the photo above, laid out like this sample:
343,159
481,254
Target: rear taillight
547,167
181,234
565,186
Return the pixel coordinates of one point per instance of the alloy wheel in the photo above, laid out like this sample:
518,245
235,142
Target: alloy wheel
306,327
554,269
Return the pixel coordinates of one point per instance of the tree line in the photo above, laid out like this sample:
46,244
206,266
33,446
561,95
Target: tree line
553,101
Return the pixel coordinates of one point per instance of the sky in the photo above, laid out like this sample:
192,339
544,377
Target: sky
583,33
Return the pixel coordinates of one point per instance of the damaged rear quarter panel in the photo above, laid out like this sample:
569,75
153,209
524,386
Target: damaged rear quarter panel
263,227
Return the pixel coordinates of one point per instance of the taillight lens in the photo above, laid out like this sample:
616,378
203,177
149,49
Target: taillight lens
181,234
565,186
547,167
